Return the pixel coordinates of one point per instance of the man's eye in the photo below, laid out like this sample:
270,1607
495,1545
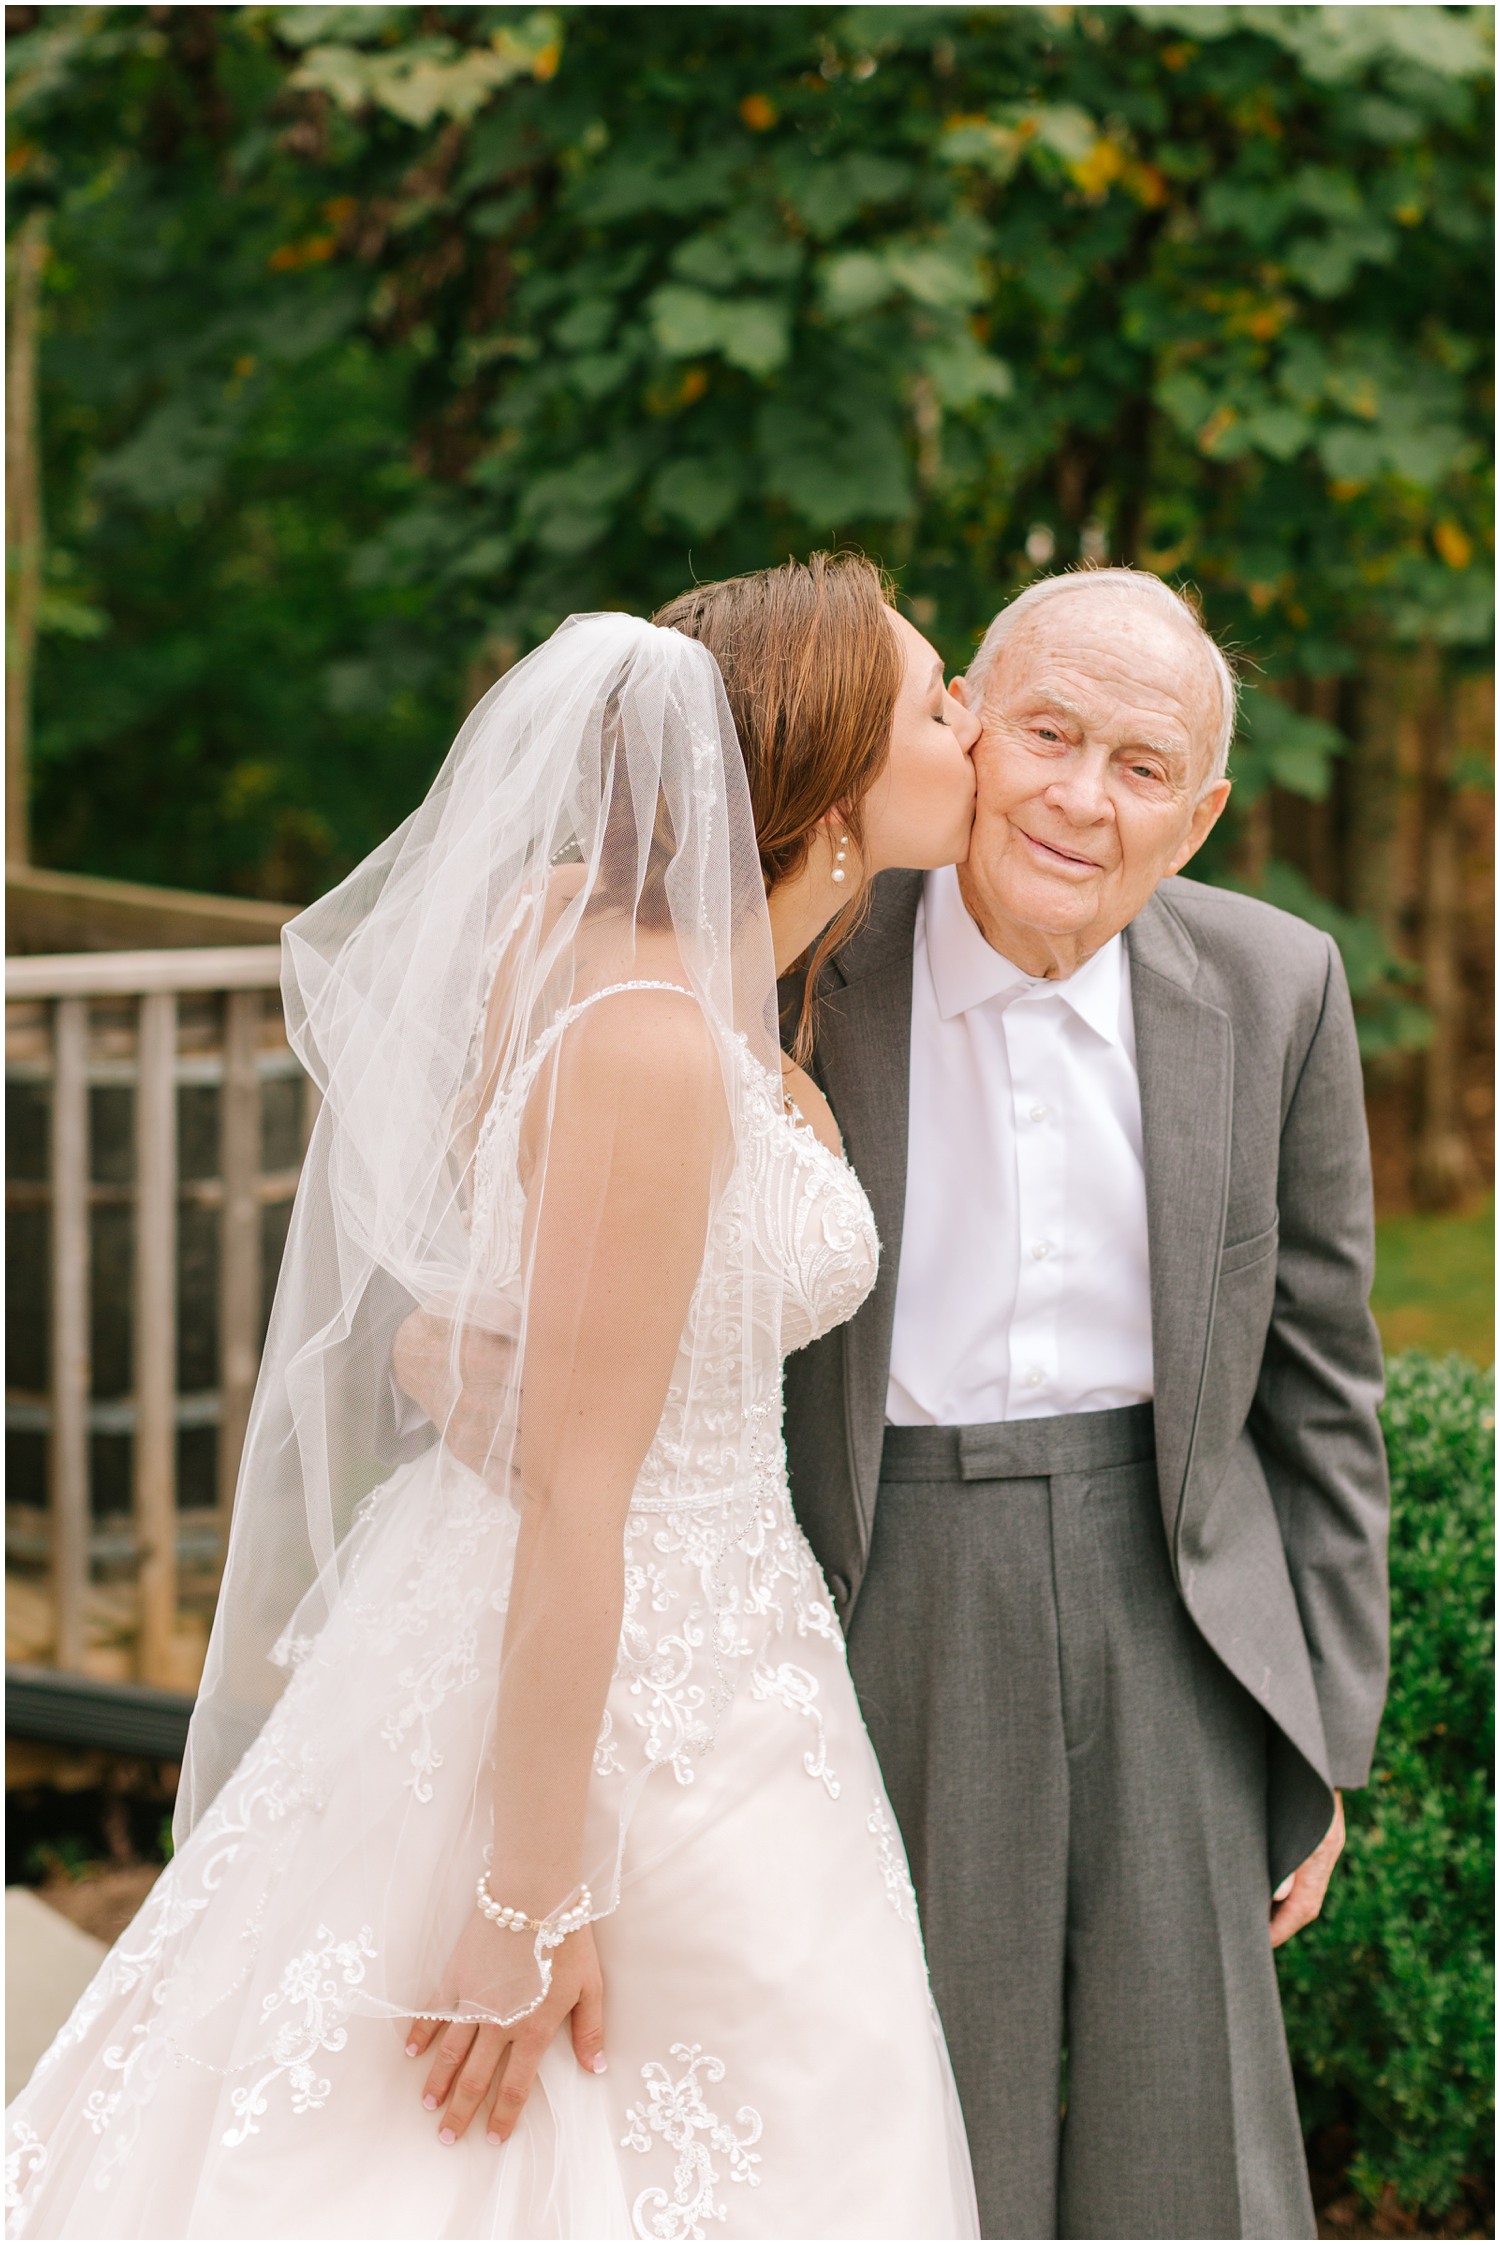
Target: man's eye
1046,733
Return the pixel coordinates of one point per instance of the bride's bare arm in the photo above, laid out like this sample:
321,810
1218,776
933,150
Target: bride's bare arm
619,1205
621,1216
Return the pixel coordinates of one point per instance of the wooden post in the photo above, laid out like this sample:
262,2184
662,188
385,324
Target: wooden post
23,520
312,1106
239,1237
68,1445
156,1332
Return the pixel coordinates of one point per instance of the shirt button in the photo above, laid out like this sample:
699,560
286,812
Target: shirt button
1039,1113
1033,1377
1041,1249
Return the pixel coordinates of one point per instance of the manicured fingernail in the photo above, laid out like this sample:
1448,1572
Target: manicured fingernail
599,2064
430,2103
446,2136
411,2050
1285,1888
491,2138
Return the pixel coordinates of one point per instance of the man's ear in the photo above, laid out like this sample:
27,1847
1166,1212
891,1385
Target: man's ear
1207,812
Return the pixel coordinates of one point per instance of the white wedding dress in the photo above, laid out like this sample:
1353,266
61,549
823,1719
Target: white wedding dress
776,2068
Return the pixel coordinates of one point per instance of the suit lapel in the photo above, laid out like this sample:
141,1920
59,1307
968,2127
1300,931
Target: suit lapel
864,1061
1185,1058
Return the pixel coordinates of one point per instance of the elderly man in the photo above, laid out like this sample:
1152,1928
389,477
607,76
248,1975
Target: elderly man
1095,1475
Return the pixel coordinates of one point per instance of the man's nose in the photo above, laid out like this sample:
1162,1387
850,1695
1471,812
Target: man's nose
1080,791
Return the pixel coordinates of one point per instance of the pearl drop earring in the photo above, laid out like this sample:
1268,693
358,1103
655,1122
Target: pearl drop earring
839,873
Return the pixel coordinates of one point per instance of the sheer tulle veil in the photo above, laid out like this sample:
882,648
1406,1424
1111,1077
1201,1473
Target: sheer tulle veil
590,826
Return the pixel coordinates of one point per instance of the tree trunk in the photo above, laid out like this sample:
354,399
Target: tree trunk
1370,800
1252,844
23,523
1444,1170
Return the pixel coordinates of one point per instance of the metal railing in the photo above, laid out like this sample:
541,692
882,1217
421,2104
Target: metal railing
154,1022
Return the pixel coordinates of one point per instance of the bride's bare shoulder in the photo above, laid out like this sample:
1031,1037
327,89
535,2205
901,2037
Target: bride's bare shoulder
634,1061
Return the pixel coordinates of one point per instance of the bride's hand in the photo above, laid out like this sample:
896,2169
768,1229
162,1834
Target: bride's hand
493,2068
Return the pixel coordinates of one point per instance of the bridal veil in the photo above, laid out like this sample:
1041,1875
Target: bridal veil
590,826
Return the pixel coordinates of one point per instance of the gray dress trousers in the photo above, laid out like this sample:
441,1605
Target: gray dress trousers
1081,1785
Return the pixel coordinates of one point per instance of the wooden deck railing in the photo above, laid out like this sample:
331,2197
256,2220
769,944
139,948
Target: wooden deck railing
155,1022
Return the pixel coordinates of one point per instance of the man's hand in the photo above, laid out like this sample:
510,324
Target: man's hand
1299,1898
474,1418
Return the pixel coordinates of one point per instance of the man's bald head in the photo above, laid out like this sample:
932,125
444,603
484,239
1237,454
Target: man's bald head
1086,588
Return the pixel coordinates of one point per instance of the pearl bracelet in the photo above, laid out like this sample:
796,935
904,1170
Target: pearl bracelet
553,1932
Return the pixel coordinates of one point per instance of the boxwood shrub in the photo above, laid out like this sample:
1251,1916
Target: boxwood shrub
1390,1995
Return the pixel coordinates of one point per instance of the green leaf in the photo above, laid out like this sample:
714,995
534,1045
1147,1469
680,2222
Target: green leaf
1280,431
742,249
836,460
427,78
1068,131
1351,455
1280,746
962,372
855,282
827,194
69,617
586,324
750,332
942,278
701,493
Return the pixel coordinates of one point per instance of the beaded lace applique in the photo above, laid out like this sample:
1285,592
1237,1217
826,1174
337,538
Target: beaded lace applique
678,2115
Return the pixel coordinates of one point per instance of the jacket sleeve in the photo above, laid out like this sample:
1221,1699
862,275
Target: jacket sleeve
1314,1418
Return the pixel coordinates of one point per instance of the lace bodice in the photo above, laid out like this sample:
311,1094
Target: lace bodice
718,1576
814,1254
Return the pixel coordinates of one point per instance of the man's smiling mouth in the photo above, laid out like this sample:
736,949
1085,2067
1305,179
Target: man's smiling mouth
1060,856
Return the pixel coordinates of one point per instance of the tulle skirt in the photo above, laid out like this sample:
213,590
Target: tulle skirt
775,2065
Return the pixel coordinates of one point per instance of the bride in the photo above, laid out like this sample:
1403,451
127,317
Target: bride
525,1709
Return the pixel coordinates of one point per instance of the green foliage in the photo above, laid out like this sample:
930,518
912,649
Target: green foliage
380,338
1386,1017
67,1858
1390,1996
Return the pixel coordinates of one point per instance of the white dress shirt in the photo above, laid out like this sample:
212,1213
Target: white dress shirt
1024,1287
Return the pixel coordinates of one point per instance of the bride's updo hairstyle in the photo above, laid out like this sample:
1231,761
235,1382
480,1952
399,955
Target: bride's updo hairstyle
812,670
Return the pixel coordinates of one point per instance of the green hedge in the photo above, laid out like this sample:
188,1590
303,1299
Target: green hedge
1390,1996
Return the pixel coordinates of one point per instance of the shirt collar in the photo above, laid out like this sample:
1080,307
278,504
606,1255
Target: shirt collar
967,971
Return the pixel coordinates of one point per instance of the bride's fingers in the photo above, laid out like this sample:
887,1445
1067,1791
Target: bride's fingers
588,2025
521,2062
419,2033
476,2078
452,2049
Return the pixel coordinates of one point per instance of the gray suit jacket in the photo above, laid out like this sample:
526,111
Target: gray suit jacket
1267,1361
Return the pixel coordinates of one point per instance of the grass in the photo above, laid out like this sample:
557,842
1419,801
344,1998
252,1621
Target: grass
1435,1283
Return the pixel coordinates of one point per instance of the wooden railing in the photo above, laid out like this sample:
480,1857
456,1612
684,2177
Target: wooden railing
156,1023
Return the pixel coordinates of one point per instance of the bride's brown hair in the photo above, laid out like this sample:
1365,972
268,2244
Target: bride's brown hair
812,669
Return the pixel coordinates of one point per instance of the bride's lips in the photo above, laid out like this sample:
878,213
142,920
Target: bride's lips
1052,855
